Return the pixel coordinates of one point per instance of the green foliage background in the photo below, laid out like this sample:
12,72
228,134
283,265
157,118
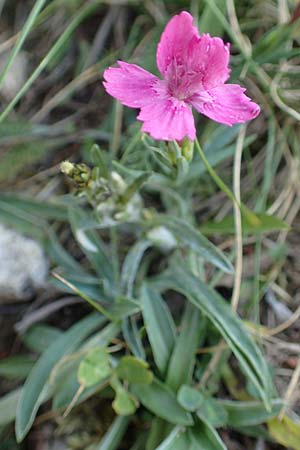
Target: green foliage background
167,361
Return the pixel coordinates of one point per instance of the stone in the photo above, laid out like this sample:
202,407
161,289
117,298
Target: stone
23,266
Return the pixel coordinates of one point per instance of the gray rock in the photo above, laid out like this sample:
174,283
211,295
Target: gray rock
16,76
23,266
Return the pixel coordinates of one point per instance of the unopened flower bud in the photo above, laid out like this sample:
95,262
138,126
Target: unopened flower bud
187,149
67,167
79,173
174,152
118,182
162,238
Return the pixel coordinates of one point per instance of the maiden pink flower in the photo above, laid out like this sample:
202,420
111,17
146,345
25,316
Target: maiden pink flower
194,69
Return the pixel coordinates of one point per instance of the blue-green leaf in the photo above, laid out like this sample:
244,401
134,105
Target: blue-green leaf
178,439
114,434
264,224
193,239
131,265
247,414
16,367
8,406
91,243
159,326
39,337
132,337
161,401
182,360
205,437
33,388
227,322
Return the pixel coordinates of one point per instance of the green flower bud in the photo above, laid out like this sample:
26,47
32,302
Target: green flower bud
187,149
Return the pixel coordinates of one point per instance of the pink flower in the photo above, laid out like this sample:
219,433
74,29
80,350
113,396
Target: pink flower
194,70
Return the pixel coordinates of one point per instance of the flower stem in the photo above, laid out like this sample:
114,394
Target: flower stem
249,215
219,182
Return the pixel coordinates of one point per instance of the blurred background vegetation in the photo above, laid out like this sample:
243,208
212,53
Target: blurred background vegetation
53,108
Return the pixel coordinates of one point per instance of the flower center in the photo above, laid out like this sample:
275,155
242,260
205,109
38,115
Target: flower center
182,81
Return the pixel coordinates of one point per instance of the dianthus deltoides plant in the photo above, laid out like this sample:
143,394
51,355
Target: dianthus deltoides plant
162,338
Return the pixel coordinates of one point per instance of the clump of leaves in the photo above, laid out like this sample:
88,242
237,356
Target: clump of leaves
151,273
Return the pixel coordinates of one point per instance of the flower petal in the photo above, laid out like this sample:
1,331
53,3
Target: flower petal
188,61
210,57
130,84
225,104
175,42
168,119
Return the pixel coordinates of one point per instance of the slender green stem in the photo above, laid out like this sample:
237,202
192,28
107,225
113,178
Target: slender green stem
22,36
249,215
219,182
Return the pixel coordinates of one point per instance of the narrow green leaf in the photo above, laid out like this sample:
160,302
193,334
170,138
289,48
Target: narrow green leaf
114,435
213,413
48,210
64,375
266,224
88,286
22,220
16,367
285,431
84,292
103,337
65,393
229,325
159,430
134,186
39,337
99,160
205,437
60,256
177,440
64,390
193,239
159,326
123,307
257,431
91,244
56,48
8,406
131,265
132,336
182,361
247,414
208,23
273,39
26,28
31,395
161,401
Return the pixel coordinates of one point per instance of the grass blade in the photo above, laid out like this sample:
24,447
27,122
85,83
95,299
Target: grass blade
23,35
81,15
